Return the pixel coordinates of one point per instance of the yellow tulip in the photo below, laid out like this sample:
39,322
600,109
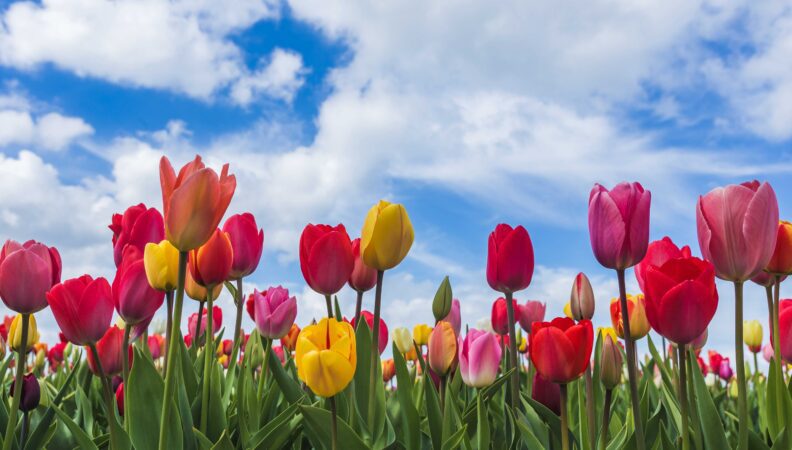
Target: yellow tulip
326,356
608,332
752,335
162,265
403,339
15,333
421,334
386,237
568,311
639,324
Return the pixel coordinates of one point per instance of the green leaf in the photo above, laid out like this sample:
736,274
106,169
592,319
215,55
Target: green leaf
337,308
711,425
38,437
79,435
223,443
441,305
143,404
409,414
455,440
274,431
290,388
482,425
319,420
779,403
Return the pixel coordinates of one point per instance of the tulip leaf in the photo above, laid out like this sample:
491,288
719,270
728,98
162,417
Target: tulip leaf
482,424
410,424
79,435
273,429
711,425
363,380
291,390
231,289
224,443
781,442
441,305
455,440
319,421
143,402
779,403
38,438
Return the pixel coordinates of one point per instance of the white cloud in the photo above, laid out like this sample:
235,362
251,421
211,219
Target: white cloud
280,76
51,131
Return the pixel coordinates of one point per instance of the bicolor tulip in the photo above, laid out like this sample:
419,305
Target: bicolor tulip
619,224
752,335
737,228
510,259
210,264
217,322
161,262
247,240
326,356
442,348
110,350
421,334
194,201
499,315
658,253
136,227
781,261
289,341
363,278
15,333
561,349
197,292
636,307
532,311
326,258
275,312
581,300
547,393
386,237
31,392
785,329
454,317
134,298
681,298
610,360
27,272
382,342
479,358
83,308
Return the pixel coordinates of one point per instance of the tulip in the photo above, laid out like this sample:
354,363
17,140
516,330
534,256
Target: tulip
702,365
15,334
636,307
681,298
161,262
442,348
83,308
217,322
134,298
382,342
275,312
479,358
752,335
197,292
156,345
510,259
110,350
454,316
658,253
27,272
568,311
725,371
326,258
560,349
55,355
137,227
619,224
210,264
119,395
715,360
278,351
250,307
610,360
194,201
697,344
386,237
522,347
31,393
581,300
4,326
326,356
388,370
363,278
403,339
785,329
767,352
421,334
532,311
225,347
500,322
289,341
547,393
247,241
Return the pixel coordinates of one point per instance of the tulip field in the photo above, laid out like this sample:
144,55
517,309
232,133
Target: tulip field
530,378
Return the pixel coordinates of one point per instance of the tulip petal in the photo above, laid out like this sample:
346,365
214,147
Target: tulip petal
685,311
553,354
190,220
760,228
606,229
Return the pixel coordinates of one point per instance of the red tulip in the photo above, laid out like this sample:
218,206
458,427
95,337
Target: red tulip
383,329
134,298
510,259
156,345
194,201
785,329
136,227
55,355
210,264
247,241
561,349
5,326
27,272
119,395
657,254
702,365
363,277
326,257
546,393
715,359
737,228
110,349
250,307
619,224
500,316
532,311
681,298
227,346
83,308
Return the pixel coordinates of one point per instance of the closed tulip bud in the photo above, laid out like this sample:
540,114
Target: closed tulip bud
752,335
210,264
532,311
725,371
610,362
275,312
581,299
421,333
547,393
738,244
658,253
119,396
639,324
326,356
479,358
386,237
500,317
561,349
41,358
382,342
388,369
326,258
247,240
619,224
363,277
161,262
31,393
194,201
442,348
27,272
767,352
197,292
156,345
522,345
134,298
136,227
715,359
510,259
110,350
15,334
289,341
403,339
83,308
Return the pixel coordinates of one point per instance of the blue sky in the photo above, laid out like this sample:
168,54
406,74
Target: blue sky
470,115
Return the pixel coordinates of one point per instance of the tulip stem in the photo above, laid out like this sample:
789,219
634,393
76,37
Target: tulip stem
590,408
443,381
169,299
10,432
775,315
373,383
564,420
605,419
125,368
208,357
742,405
515,376
631,368
665,350
756,369
329,303
264,366
239,301
683,400
108,395
358,307
172,345
334,428
198,333
24,431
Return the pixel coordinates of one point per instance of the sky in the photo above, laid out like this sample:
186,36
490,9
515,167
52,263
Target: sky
469,113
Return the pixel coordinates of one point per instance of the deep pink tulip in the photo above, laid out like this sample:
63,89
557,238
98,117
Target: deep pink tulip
27,272
83,308
500,315
275,312
134,298
156,345
510,259
479,358
247,240
217,322
725,371
137,227
383,329
326,258
363,277
619,224
210,264
454,317
658,253
547,393
737,228
110,349
532,311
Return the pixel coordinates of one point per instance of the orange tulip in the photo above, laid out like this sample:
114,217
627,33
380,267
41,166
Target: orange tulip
210,264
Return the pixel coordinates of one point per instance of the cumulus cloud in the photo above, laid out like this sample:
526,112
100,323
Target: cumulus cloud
51,131
280,76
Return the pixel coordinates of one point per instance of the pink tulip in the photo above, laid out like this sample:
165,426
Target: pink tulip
83,308
510,259
479,358
217,322
619,224
382,342
27,272
737,228
134,298
454,317
765,279
725,371
658,253
275,312
532,311
136,227
767,352
247,241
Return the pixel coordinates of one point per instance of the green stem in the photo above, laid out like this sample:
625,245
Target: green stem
605,419
334,429
632,371
373,383
775,313
358,307
590,408
665,350
742,405
264,366
108,396
443,381
24,431
169,298
198,333
168,399
10,432
683,400
329,303
208,358
515,376
125,368
564,419
239,301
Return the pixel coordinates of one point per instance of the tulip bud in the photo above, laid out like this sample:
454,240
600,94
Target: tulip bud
247,241
83,308
41,358
15,333
510,259
441,306
161,262
547,393
382,340
582,298
326,258
119,395
403,339
387,236
767,352
289,342
363,278
752,335
500,317
532,311
639,324
388,369
421,334
210,264
610,362
442,348
619,224
27,272
44,395
31,393
725,371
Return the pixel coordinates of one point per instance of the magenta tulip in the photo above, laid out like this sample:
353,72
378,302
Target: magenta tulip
247,241
274,312
532,311
547,393
83,308
510,259
619,224
136,227
27,272
134,298
479,358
